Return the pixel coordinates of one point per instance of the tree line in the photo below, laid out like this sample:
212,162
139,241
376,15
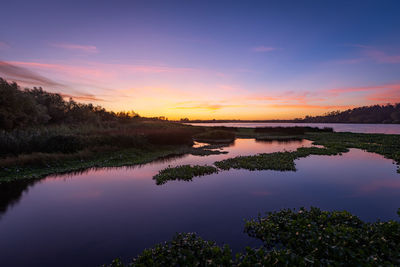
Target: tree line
36,107
389,113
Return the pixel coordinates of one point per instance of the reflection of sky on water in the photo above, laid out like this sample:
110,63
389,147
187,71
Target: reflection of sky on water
88,219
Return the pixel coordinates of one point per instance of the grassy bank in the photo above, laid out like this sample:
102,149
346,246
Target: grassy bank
290,238
35,153
332,144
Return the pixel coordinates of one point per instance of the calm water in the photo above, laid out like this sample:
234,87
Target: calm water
90,218
338,127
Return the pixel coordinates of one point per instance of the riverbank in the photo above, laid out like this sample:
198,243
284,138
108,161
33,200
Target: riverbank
157,141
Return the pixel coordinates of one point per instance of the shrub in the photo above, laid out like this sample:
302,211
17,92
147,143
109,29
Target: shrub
63,144
215,136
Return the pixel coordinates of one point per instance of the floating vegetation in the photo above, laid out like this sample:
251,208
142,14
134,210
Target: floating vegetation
290,238
39,165
387,145
216,136
329,238
279,161
183,172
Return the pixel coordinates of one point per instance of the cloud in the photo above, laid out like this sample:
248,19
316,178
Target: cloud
82,48
97,70
83,97
310,106
206,106
263,49
4,45
336,91
381,56
22,75
376,94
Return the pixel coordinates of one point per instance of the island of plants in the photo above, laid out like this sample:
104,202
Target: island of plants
183,173
290,238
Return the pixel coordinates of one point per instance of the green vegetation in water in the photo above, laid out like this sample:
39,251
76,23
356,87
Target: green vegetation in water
279,161
39,165
387,145
216,136
183,172
290,238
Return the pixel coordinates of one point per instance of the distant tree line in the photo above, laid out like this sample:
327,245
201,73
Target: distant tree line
389,113
35,107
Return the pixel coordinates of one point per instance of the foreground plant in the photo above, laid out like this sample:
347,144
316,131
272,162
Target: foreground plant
329,238
291,238
183,172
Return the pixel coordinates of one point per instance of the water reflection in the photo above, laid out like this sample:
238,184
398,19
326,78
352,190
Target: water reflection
90,218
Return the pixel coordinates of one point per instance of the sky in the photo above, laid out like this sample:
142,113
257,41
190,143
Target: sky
207,59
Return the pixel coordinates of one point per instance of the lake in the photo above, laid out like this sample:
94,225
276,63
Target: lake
90,218
337,127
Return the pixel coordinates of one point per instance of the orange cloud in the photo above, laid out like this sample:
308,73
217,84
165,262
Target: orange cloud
210,107
309,106
83,97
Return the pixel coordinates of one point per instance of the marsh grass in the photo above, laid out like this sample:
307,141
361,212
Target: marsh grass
387,145
183,173
279,161
290,238
216,136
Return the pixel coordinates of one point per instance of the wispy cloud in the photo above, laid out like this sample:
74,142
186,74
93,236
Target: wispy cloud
264,48
96,69
310,106
381,56
374,94
82,48
395,86
23,75
83,97
205,106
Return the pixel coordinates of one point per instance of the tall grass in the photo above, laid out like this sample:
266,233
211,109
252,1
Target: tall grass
74,138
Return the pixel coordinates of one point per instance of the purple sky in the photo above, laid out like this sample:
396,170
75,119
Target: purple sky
207,59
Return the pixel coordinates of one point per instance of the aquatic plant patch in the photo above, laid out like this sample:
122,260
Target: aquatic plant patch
329,238
387,145
183,172
279,161
291,238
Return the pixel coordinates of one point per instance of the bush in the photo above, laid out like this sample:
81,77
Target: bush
215,136
63,144
297,130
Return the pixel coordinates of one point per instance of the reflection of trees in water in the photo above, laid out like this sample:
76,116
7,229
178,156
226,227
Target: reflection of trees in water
11,193
288,140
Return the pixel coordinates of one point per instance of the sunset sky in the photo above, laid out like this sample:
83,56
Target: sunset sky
207,59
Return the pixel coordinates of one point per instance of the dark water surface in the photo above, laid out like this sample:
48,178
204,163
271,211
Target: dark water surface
337,127
90,218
